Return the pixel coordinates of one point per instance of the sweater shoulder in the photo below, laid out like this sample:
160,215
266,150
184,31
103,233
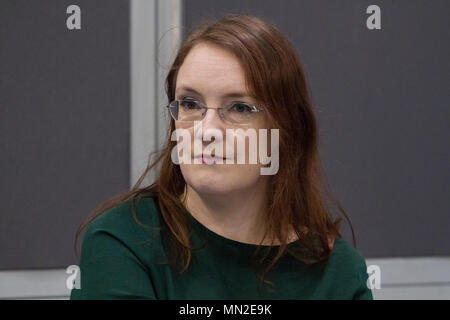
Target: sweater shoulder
347,266
133,225
344,255
128,217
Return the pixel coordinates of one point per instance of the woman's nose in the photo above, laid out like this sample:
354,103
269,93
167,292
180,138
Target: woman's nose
213,123
212,119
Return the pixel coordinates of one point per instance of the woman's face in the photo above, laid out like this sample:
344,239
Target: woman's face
211,75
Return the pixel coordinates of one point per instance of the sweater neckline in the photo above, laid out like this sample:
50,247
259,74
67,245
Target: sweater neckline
219,238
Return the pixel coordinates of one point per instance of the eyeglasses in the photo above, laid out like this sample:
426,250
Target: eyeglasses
193,110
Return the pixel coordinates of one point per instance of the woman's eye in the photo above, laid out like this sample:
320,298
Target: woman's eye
189,104
241,108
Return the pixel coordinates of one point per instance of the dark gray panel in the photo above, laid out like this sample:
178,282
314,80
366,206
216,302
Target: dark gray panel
64,124
383,103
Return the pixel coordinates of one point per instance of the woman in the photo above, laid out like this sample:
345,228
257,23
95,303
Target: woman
217,228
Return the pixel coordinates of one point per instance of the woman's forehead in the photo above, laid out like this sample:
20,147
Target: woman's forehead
211,69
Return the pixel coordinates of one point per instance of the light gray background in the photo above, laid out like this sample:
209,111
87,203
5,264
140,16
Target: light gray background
382,100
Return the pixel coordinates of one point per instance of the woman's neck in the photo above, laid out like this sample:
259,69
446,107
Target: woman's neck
238,216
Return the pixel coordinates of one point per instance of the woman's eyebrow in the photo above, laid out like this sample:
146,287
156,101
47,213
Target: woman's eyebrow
227,95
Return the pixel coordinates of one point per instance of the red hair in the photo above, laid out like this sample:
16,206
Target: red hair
275,77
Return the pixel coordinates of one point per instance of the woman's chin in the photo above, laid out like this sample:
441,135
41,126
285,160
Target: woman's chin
217,180
210,185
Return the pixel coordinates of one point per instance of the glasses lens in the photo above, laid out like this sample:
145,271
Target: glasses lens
173,109
192,110
240,113
189,110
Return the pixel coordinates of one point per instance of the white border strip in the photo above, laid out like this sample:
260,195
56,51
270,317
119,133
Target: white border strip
401,278
34,284
155,34
412,278
412,270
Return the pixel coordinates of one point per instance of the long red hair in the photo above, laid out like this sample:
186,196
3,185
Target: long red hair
299,191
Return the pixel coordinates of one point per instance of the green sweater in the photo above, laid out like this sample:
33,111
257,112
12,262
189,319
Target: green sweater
119,261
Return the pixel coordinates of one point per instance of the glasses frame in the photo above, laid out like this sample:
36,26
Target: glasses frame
205,108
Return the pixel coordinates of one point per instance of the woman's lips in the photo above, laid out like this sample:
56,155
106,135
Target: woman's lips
209,159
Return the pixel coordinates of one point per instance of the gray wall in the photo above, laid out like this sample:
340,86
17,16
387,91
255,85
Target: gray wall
382,98
64,124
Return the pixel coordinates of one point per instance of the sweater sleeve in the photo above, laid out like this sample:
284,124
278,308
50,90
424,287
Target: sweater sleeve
110,270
